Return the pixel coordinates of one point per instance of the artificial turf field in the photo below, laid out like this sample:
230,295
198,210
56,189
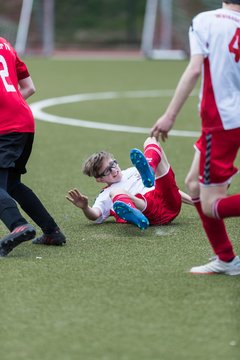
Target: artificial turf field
113,292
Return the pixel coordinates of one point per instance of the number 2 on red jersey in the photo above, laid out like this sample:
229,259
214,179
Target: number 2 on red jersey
234,46
4,74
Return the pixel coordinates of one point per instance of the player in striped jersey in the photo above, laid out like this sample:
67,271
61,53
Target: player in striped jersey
215,53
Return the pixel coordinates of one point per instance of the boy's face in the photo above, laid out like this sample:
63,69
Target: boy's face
109,172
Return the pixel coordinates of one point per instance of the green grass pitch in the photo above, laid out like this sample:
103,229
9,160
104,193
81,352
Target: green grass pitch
113,292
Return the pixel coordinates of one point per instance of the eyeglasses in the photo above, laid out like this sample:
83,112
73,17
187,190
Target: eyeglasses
112,165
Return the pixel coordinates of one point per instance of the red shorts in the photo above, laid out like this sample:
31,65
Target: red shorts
198,144
163,203
218,152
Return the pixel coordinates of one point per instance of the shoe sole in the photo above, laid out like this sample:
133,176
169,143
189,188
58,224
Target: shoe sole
216,273
16,240
131,215
39,241
140,162
203,273
231,272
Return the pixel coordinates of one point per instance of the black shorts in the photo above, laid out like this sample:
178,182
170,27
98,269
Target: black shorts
15,149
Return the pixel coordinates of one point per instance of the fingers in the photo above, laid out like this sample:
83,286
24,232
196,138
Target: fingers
154,133
158,133
164,136
161,129
74,191
162,126
71,199
74,195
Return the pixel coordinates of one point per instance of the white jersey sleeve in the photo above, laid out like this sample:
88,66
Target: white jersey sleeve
104,203
198,36
216,35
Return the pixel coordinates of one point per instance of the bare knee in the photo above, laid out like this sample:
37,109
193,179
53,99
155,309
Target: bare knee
207,208
192,186
117,192
209,196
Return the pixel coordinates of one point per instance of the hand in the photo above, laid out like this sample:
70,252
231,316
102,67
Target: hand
162,126
77,199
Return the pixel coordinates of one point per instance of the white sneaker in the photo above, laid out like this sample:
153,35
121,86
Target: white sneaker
218,266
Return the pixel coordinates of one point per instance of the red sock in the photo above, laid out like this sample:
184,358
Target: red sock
126,199
216,233
153,155
227,207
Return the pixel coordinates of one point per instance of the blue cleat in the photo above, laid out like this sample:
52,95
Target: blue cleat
132,215
141,164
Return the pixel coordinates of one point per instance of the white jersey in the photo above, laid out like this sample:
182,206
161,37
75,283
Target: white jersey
216,35
131,182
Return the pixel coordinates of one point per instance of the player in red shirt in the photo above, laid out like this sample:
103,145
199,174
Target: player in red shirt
215,53
16,139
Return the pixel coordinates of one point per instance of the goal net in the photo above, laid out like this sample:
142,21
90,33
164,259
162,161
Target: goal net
28,25
9,19
166,24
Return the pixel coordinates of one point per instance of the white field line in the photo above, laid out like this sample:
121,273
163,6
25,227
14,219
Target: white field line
40,114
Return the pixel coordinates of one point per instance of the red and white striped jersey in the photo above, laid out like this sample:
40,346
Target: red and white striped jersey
216,36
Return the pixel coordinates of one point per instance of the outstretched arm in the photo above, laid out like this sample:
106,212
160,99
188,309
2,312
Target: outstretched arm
81,201
186,199
185,86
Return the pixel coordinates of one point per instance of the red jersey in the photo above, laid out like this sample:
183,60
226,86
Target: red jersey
15,113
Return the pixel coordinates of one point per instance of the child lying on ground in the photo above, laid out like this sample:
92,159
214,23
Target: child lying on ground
145,194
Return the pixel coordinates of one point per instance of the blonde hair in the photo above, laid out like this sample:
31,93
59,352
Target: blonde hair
93,164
